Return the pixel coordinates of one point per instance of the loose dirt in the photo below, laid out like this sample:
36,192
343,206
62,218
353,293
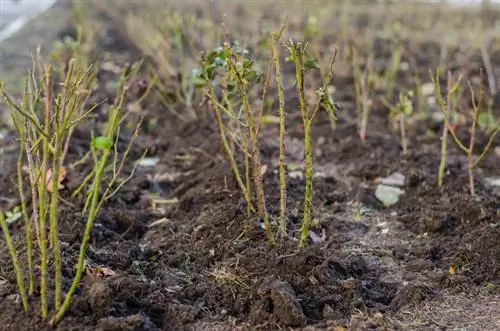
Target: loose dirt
202,264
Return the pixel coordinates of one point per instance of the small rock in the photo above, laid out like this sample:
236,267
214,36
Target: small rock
437,117
496,150
315,238
427,89
493,181
388,195
14,297
296,175
149,161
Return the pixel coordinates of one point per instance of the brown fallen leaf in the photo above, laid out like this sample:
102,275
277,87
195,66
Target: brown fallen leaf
99,272
106,272
453,269
62,175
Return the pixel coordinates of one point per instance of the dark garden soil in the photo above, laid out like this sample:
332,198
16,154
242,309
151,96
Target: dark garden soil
202,264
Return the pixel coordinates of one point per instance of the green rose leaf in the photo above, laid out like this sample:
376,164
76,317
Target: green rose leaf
103,143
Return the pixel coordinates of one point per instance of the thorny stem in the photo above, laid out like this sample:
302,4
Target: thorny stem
253,148
391,75
15,261
489,67
297,55
248,181
29,246
437,92
357,85
243,145
361,91
42,198
100,165
86,238
34,219
225,144
272,61
448,110
469,151
56,166
470,161
282,164
27,224
365,101
442,162
264,93
402,129
304,231
297,51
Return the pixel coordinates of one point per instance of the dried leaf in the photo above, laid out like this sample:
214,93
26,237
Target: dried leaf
263,169
106,272
62,175
453,269
99,272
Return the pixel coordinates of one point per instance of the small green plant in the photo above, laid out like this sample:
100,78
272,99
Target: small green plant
417,82
391,74
14,215
205,77
448,111
363,86
303,62
282,163
243,73
400,113
44,120
238,77
43,143
227,75
477,106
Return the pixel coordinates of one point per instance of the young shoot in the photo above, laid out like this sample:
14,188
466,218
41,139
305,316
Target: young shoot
448,110
281,99
477,106
362,89
102,148
303,62
205,77
400,113
392,71
44,120
241,70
